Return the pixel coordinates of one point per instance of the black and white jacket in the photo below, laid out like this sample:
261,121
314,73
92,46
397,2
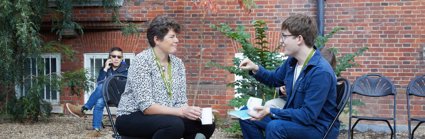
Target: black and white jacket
145,86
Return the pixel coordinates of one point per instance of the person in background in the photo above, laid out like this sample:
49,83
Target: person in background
310,86
113,65
154,103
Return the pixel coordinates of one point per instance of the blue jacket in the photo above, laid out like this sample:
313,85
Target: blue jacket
312,101
122,69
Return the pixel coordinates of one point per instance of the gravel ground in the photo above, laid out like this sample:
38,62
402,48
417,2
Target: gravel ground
62,127
68,127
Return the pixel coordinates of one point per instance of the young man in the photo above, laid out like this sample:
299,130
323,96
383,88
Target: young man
280,101
114,65
310,86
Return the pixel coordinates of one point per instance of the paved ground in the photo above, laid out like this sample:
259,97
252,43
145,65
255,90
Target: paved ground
70,127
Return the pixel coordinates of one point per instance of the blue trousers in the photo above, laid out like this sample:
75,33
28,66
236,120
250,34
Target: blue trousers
96,100
277,129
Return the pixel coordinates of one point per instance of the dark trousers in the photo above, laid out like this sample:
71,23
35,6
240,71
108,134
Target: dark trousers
137,124
281,129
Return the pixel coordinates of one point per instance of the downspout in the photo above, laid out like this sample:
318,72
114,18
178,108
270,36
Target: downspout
321,17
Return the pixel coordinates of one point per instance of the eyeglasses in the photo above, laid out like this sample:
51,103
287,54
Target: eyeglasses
116,56
284,36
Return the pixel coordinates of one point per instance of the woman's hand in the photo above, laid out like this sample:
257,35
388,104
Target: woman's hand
191,112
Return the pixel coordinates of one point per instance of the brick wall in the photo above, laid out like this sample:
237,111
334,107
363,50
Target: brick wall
393,31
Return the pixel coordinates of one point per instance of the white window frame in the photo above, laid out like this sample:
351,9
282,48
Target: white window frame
20,89
92,73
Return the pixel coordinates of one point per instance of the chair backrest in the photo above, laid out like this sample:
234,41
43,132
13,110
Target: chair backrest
342,95
417,86
343,92
373,85
113,87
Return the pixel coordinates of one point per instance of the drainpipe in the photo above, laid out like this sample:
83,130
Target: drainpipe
321,17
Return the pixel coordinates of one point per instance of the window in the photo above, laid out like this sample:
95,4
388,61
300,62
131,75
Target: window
93,62
52,63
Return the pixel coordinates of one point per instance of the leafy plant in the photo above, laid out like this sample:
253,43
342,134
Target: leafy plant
344,62
234,128
347,60
130,29
20,42
63,21
76,81
247,5
31,107
258,53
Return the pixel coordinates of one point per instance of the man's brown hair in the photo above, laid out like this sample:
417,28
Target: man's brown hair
303,25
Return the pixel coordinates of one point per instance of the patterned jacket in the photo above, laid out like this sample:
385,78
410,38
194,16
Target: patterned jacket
145,86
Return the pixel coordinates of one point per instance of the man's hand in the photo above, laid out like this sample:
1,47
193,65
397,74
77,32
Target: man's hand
259,112
107,65
282,90
247,64
191,112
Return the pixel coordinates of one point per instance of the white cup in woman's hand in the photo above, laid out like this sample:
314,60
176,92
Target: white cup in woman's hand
206,116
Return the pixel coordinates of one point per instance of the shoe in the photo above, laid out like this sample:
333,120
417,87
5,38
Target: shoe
200,136
75,110
95,133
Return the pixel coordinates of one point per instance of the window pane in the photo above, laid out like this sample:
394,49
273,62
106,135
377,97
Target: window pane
33,67
53,63
47,92
31,70
46,66
97,66
91,68
127,61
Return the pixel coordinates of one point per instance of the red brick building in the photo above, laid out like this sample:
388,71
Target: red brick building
394,31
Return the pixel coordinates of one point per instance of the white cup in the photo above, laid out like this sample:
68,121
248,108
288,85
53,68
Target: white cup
206,116
253,102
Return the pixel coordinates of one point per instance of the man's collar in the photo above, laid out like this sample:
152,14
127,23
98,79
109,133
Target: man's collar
313,61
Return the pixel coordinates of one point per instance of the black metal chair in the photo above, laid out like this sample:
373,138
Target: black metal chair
113,87
343,92
416,88
374,85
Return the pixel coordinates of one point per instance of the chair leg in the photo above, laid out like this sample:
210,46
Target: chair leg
392,132
352,129
416,127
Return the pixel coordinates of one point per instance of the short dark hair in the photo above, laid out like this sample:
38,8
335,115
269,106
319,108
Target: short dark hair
115,49
329,56
159,27
303,25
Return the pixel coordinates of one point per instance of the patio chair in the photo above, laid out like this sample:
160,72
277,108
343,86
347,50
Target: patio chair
416,88
112,89
373,85
342,94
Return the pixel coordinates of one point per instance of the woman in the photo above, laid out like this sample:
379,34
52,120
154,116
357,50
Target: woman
154,102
